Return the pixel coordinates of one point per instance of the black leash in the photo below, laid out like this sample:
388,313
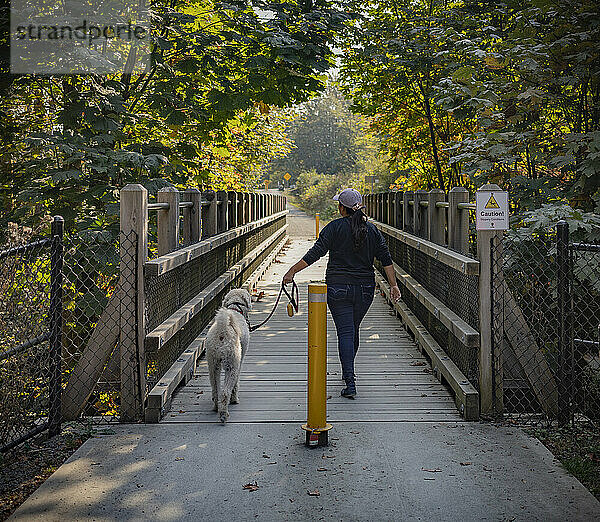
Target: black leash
292,305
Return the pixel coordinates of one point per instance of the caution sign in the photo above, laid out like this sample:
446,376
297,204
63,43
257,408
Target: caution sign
492,210
287,176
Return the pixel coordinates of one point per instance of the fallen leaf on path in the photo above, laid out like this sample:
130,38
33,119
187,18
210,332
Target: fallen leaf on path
322,469
465,463
434,470
250,487
417,363
314,493
179,458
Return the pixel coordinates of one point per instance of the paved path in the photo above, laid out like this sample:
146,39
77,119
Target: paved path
180,471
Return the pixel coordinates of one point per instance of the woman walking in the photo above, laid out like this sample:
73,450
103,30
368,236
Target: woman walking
352,243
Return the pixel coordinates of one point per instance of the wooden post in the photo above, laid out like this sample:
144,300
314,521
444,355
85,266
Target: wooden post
398,209
233,209
390,208
458,220
134,252
247,207
192,216
168,221
420,214
222,211
407,212
486,324
209,214
241,208
437,218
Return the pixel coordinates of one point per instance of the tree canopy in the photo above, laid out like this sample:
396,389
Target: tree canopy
205,110
467,92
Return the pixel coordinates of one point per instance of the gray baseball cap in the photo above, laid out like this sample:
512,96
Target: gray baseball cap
350,198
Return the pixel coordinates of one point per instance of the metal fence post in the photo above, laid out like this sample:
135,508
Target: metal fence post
565,338
458,220
192,216
437,217
168,221
56,311
133,252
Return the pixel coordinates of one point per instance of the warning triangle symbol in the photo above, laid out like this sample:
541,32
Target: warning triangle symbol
492,203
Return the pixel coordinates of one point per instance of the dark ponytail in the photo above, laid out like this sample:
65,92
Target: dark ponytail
358,222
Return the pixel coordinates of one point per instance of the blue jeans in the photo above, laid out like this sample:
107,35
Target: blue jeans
348,305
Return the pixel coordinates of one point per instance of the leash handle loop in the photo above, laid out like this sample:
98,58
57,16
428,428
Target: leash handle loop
294,298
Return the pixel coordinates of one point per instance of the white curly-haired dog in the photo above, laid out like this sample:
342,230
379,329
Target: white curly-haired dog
226,344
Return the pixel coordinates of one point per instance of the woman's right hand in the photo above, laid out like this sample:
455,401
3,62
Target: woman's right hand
395,293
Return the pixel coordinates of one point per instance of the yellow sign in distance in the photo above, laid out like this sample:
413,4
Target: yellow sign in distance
267,184
492,203
287,176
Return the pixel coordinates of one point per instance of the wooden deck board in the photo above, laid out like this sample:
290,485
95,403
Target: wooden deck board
394,380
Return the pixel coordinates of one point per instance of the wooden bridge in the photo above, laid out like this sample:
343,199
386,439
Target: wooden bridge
395,382
429,357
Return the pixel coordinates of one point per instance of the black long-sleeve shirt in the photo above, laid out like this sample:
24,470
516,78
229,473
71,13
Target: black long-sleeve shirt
345,265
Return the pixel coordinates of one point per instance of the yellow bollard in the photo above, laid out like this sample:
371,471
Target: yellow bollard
317,225
316,427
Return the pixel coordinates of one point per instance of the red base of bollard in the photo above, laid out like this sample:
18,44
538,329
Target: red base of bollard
317,438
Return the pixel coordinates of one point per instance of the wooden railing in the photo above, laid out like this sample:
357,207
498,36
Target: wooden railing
428,215
153,323
428,235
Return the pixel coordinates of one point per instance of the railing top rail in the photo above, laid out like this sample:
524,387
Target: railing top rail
459,262
189,204
167,262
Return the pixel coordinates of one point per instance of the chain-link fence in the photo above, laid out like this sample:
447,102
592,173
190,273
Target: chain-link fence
546,324
59,331
27,373
93,301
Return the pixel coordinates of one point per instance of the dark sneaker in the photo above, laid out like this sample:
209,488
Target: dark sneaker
349,392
